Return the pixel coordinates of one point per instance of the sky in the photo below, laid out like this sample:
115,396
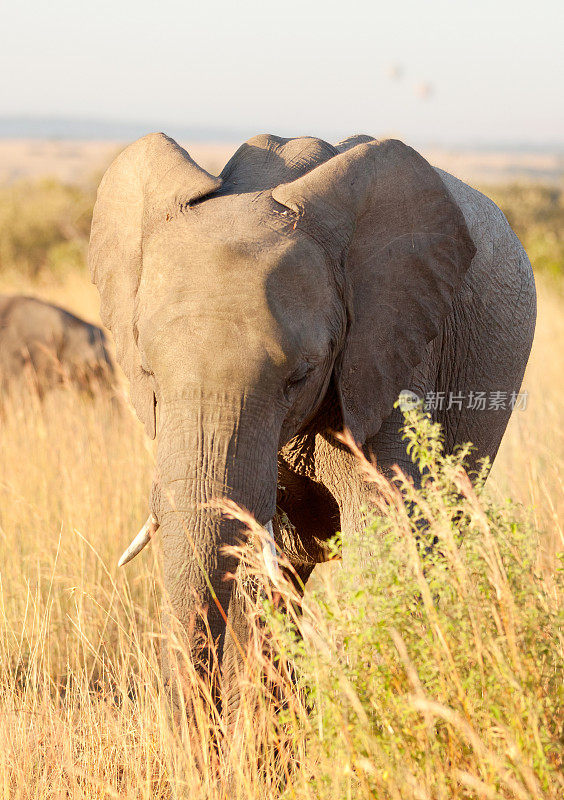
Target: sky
440,71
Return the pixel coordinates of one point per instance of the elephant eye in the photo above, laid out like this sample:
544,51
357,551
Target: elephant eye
298,377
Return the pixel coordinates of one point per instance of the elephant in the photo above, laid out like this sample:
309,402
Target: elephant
46,347
260,311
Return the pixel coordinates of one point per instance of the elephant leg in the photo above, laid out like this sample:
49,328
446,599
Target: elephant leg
338,470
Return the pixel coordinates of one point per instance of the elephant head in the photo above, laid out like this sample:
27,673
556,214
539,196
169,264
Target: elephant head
239,303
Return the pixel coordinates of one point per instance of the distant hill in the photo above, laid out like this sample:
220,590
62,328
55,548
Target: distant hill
76,151
70,128
77,129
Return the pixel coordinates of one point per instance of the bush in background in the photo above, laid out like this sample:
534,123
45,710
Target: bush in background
536,214
44,227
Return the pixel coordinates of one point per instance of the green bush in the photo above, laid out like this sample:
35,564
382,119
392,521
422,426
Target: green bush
536,214
44,226
433,661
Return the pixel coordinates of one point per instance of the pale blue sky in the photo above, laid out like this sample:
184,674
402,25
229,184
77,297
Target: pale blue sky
496,67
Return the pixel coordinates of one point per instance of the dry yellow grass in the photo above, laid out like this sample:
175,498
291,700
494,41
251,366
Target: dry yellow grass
82,708
531,458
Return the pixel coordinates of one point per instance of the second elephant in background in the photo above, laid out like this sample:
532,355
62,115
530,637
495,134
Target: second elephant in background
43,346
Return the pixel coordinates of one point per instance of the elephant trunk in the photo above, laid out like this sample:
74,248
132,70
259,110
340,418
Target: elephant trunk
210,448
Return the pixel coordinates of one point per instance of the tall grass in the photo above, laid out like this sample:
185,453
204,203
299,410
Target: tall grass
425,677
434,659
528,467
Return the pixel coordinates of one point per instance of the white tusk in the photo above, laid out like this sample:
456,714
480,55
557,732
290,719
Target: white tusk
269,555
141,540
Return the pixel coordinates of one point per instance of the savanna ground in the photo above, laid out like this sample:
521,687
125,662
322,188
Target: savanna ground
435,678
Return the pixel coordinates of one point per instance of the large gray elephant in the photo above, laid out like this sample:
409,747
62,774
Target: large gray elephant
43,346
296,294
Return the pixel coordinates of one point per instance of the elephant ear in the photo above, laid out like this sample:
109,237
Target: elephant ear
352,141
382,213
148,182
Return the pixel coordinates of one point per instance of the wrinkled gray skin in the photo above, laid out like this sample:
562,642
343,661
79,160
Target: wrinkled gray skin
46,347
296,294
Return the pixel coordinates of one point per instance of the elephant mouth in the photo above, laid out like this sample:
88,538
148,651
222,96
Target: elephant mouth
152,525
